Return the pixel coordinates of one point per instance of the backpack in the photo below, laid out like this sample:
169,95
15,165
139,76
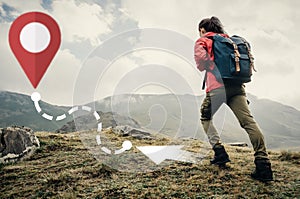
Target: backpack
233,59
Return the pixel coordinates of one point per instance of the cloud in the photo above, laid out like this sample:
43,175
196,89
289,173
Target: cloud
57,84
60,78
46,4
7,13
20,7
84,25
270,26
12,76
181,16
84,21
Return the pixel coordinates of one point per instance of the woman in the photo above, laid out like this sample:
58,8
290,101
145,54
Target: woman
231,93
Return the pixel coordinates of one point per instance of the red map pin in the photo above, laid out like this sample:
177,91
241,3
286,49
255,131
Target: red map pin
34,38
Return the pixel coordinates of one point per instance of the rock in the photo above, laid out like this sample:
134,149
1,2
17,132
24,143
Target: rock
239,144
87,122
133,132
17,143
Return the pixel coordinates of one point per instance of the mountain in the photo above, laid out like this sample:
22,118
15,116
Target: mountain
171,115
18,109
280,123
179,116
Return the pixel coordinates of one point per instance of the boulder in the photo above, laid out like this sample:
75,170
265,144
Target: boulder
17,143
86,122
133,132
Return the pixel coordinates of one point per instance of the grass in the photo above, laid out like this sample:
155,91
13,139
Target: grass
64,168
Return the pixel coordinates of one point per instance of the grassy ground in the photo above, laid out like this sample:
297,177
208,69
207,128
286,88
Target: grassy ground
64,168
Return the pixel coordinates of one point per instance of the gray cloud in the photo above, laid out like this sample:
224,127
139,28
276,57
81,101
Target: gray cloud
59,80
7,13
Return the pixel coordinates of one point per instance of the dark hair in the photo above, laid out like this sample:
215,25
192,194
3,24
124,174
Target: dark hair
212,24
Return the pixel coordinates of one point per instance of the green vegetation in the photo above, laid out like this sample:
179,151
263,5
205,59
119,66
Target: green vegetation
18,109
64,168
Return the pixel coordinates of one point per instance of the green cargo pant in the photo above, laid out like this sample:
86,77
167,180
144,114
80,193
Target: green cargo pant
235,97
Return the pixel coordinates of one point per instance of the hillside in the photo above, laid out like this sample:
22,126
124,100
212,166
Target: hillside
64,168
18,109
88,121
179,115
171,115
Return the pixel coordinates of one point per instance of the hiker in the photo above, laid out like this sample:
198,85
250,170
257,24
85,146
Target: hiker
231,93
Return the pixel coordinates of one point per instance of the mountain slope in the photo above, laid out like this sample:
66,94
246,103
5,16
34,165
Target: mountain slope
18,109
85,122
280,123
179,116
171,115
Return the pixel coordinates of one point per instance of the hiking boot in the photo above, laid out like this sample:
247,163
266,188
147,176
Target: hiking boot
263,171
221,156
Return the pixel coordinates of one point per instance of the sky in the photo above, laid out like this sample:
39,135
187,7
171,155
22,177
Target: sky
146,46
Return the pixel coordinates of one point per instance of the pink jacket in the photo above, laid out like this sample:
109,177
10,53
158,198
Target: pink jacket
204,57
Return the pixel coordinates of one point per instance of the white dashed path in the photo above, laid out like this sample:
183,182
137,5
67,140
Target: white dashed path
36,97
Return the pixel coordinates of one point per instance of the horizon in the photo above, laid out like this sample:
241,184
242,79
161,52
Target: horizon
166,113
144,94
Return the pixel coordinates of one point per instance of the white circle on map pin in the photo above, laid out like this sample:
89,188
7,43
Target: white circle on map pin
35,37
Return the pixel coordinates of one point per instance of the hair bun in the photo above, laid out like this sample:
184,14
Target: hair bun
212,24
213,18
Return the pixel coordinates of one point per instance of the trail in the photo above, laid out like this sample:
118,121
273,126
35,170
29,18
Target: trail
36,97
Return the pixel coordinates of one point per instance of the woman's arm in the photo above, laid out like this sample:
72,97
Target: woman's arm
201,56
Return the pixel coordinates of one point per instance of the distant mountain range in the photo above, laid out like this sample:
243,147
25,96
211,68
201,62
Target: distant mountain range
18,109
172,115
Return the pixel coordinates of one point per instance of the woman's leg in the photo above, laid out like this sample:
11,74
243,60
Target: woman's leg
209,107
240,108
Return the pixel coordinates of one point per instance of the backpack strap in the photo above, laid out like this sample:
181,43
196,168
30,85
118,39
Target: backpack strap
204,80
236,56
249,54
206,69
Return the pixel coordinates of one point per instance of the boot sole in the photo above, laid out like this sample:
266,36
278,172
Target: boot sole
262,179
